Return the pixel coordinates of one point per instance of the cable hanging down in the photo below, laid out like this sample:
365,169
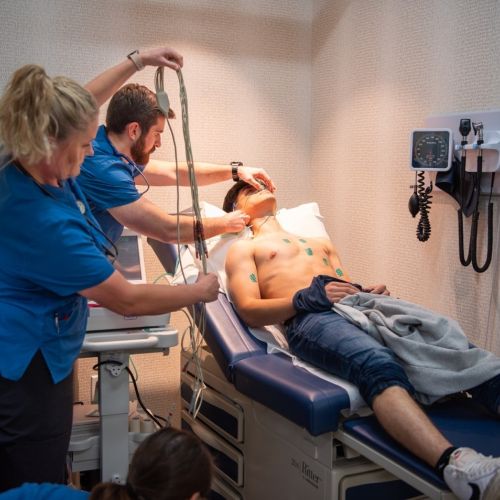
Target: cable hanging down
196,341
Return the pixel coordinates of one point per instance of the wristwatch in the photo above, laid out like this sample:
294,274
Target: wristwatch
136,59
234,170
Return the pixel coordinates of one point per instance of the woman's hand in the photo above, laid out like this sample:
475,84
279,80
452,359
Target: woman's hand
208,286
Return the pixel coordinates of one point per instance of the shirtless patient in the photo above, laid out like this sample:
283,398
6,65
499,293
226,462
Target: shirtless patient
278,277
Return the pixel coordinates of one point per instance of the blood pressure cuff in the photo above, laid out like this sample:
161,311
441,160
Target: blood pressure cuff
449,182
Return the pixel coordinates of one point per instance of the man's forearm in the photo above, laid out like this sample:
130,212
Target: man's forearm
163,173
185,234
262,312
211,173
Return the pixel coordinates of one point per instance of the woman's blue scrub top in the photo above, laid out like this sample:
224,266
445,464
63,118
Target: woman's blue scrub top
44,491
107,180
48,252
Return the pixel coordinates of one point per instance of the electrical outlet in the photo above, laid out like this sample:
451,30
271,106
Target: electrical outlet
94,396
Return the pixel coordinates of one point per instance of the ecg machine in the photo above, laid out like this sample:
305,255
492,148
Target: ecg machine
130,262
103,440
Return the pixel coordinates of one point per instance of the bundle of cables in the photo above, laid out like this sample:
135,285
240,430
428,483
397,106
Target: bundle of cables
197,313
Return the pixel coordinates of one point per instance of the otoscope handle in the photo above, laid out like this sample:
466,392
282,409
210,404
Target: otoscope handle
465,128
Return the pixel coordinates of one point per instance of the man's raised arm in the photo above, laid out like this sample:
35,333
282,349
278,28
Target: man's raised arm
163,173
243,284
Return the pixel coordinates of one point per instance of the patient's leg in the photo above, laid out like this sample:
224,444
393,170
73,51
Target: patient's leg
334,344
403,419
488,394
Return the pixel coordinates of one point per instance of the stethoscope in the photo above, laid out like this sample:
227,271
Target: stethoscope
136,168
110,252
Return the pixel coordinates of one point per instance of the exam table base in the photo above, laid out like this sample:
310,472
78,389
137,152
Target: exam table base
262,455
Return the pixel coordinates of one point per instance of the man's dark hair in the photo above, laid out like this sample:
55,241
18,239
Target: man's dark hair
133,103
231,195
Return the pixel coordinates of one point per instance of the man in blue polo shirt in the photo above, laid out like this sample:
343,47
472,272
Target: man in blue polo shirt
134,125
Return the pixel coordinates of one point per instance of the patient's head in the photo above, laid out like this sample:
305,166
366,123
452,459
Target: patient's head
256,203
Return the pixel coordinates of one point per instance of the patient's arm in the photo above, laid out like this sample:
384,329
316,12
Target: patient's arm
337,291
380,289
335,261
243,284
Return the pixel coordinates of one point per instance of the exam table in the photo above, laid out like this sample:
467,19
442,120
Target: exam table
280,432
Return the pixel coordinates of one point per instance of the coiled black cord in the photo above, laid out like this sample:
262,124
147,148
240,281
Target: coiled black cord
424,204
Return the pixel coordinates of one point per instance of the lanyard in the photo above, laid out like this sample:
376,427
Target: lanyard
91,225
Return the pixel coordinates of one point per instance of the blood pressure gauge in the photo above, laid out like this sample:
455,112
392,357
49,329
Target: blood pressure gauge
431,149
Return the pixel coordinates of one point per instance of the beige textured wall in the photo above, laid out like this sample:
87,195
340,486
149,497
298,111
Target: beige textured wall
379,68
323,94
247,73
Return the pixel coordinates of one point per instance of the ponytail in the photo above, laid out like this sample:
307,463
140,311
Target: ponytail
36,109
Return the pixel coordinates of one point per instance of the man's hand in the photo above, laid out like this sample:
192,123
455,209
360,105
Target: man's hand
379,289
252,176
208,285
336,291
163,56
235,221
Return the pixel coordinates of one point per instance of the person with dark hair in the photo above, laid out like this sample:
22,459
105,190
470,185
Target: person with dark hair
170,464
54,257
121,161
279,277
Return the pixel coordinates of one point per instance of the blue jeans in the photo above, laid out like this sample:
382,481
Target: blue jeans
330,342
325,339
488,394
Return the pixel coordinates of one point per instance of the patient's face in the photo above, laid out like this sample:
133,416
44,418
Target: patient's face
255,202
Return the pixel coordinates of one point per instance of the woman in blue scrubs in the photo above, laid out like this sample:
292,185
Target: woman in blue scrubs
53,258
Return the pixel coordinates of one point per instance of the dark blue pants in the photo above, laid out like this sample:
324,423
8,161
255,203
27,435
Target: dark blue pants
35,426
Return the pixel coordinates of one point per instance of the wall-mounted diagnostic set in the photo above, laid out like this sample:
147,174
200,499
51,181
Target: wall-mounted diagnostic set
444,148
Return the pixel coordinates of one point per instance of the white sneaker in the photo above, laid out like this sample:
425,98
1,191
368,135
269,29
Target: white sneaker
472,476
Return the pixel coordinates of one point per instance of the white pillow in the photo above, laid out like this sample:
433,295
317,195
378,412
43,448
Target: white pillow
303,220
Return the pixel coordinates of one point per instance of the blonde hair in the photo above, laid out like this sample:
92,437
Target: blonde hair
36,109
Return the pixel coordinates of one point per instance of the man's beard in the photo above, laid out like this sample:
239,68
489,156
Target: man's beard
138,154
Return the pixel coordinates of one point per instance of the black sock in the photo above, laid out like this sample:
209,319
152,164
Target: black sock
443,460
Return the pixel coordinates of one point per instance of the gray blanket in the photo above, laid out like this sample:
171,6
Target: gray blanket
433,350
